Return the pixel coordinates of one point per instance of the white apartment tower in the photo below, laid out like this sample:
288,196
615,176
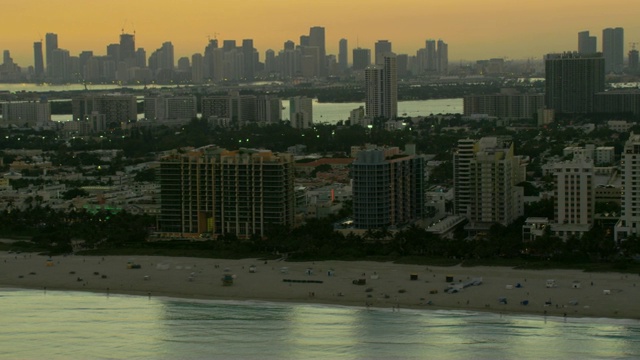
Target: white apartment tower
629,223
574,204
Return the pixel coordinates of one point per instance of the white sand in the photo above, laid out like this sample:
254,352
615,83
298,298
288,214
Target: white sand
201,278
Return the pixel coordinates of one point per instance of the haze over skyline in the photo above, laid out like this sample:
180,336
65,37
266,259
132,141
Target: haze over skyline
474,30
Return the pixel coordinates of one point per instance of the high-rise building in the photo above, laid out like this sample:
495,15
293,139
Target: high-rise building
506,105
270,65
167,59
571,80
141,58
381,89
574,196
343,54
633,60
301,112
51,43
613,49
184,64
127,51
240,110
623,101
587,44
249,55
629,223
25,113
317,39
228,45
38,61
289,61
215,192
117,108
197,68
432,56
388,192
310,61
289,45
60,66
382,48
402,62
442,57
486,173
268,109
161,108
361,58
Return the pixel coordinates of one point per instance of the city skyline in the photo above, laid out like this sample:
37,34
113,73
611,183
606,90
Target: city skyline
527,30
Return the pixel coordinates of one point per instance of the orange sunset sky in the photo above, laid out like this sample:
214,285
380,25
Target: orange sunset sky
474,29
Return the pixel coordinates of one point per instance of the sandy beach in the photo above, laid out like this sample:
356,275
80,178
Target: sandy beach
572,293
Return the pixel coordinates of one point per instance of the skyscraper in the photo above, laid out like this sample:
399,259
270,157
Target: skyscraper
571,80
613,49
361,58
51,43
249,55
587,44
431,61
127,49
197,68
442,54
381,89
113,51
60,66
382,48
343,55
317,39
38,62
141,58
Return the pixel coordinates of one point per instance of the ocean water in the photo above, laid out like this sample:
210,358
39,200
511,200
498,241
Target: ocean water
77,325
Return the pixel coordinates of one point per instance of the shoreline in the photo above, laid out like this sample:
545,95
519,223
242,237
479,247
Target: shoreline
387,285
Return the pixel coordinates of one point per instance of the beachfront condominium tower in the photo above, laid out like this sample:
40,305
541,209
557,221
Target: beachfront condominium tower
388,189
629,223
574,196
613,49
381,89
486,173
572,80
38,61
587,44
213,191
